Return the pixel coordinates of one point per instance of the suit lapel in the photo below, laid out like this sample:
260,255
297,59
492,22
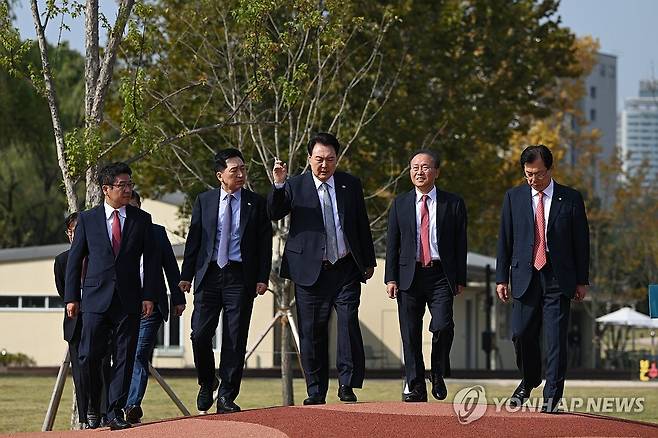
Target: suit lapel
409,204
441,209
211,213
312,197
102,224
341,194
556,204
127,227
527,206
245,208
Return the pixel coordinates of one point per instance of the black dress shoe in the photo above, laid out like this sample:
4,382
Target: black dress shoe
439,390
134,414
415,396
204,399
346,394
226,406
315,399
118,423
520,395
104,421
93,420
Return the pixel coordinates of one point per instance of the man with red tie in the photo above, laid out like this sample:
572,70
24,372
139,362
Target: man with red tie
426,266
112,236
543,248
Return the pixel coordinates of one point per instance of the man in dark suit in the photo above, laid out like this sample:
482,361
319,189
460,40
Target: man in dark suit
148,327
543,248
426,265
328,253
72,329
112,237
228,253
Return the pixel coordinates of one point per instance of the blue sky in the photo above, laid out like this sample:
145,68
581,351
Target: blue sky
625,28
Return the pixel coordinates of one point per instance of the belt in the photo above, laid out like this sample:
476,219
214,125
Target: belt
229,265
433,264
327,265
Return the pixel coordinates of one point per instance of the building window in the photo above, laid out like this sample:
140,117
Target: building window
592,115
55,302
170,335
602,70
592,92
9,302
32,302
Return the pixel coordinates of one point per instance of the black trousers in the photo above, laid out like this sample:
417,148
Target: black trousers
543,306
76,371
430,288
98,331
222,289
337,287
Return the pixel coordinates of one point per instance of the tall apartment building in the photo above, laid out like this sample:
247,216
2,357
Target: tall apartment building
639,132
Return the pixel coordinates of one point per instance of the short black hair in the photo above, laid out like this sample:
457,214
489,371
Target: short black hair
533,152
108,174
223,155
323,138
72,218
136,197
431,153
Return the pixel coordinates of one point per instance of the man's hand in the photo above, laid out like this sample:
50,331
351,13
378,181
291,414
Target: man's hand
392,289
368,274
502,290
581,292
72,309
179,309
261,288
184,286
147,309
280,171
460,289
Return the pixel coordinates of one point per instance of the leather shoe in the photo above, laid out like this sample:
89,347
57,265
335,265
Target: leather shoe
346,394
134,414
204,399
226,406
415,396
118,423
439,390
520,395
315,399
104,421
93,420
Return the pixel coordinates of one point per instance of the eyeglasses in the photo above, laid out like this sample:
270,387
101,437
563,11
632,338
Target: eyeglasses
425,168
122,185
536,175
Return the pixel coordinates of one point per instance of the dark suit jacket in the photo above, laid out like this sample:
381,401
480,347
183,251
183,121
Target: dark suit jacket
304,251
567,239
165,259
255,239
401,244
70,324
105,273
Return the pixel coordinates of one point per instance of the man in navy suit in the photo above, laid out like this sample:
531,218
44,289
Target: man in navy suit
328,253
148,327
426,265
543,248
228,253
113,237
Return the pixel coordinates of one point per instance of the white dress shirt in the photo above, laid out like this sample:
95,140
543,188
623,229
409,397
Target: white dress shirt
431,206
109,218
342,247
234,253
548,197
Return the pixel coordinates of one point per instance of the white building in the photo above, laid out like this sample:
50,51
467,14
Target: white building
639,132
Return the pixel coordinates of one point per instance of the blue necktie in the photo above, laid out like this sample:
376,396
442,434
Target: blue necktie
329,225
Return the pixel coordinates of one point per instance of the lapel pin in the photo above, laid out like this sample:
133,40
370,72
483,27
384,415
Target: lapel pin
343,187
248,203
559,199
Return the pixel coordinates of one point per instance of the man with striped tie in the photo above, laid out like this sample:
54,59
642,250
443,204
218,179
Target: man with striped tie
543,248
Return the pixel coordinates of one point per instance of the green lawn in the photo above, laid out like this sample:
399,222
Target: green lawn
24,400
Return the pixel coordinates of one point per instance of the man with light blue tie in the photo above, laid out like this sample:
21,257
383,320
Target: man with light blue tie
228,253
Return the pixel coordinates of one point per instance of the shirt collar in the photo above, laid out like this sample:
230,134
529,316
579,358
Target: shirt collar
109,211
548,191
318,183
235,194
431,194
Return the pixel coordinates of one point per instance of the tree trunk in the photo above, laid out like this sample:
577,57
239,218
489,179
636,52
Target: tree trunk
286,359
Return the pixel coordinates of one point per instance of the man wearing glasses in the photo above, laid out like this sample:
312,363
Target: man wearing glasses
543,248
112,236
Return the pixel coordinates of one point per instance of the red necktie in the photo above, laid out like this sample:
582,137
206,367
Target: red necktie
425,254
539,250
116,233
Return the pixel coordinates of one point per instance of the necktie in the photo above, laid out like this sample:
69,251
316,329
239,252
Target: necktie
329,225
539,250
116,233
425,253
225,237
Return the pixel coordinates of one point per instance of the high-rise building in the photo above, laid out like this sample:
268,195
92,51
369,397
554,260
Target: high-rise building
639,132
